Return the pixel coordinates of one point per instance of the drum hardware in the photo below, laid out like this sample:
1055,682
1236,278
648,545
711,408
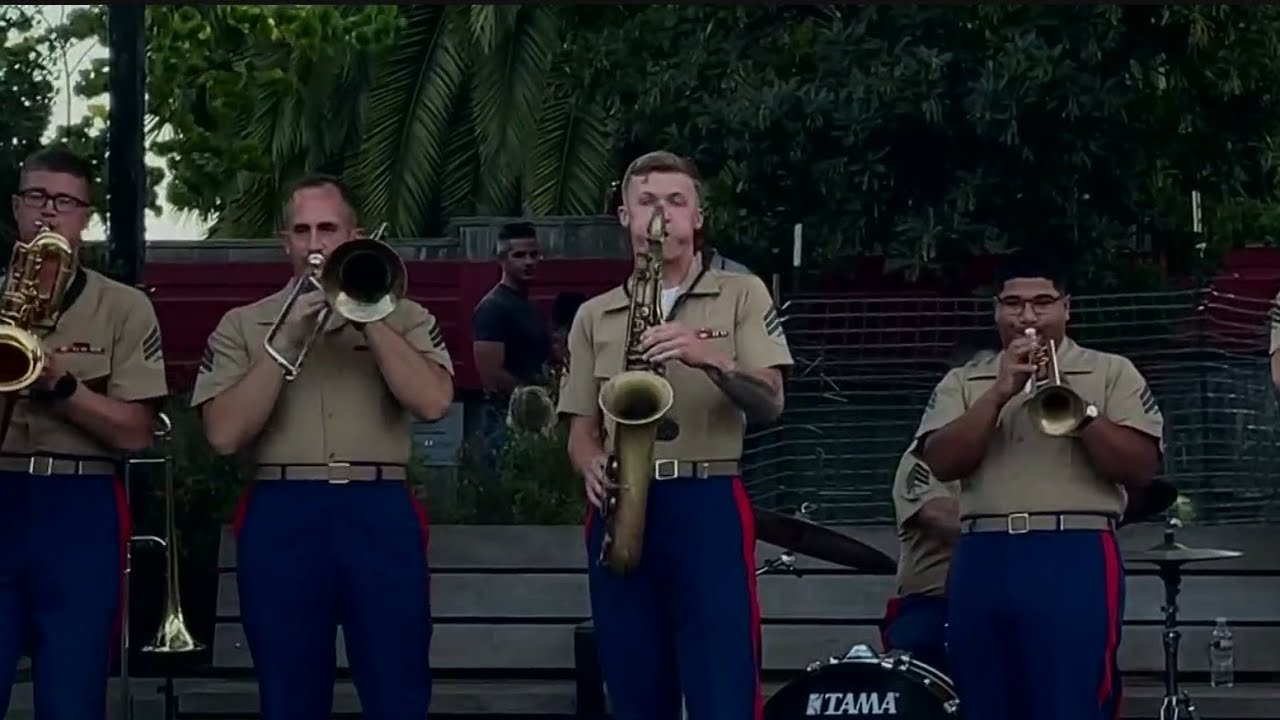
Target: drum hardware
786,562
802,536
1169,556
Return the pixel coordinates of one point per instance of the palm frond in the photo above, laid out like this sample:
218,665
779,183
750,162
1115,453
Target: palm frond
569,164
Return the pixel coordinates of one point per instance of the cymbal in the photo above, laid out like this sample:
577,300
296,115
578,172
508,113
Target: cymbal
1175,553
1152,501
810,539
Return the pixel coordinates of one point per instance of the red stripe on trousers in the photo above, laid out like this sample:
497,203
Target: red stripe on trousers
424,518
748,518
1110,687
891,611
124,518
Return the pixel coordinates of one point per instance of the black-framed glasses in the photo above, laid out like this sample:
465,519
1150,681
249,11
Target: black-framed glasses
1040,304
37,199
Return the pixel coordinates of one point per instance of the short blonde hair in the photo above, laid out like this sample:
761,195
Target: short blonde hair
661,161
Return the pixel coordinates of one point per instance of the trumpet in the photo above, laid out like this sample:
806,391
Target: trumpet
1056,409
362,280
172,636
27,304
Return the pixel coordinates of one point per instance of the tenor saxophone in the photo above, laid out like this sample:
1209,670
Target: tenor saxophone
636,400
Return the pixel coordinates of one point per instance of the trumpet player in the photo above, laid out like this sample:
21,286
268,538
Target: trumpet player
64,517
685,617
1037,584
329,533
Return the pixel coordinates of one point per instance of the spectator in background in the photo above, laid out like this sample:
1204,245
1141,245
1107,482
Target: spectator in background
511,342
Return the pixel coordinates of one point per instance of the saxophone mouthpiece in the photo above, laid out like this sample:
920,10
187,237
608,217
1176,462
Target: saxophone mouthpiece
657,225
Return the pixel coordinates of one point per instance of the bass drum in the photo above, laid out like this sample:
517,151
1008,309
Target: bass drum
865,683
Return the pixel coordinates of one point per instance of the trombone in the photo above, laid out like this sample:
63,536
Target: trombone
362,280
1055,408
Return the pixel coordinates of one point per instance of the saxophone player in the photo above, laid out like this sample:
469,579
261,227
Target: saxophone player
685,617
63,512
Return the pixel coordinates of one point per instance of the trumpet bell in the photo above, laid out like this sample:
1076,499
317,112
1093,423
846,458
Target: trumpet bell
1057,410
364,280
636,397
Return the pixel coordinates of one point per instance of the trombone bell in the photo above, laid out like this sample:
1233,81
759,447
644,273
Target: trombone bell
362,280
1056,409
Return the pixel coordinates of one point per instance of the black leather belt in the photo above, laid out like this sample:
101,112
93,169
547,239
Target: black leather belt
335,472
1018,523
44,465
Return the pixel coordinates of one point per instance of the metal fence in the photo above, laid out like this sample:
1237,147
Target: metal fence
866,366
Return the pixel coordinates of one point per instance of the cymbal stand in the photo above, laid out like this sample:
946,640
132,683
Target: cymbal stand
1176,704
786,562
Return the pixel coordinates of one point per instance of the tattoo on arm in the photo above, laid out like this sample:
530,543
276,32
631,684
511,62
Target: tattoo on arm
754,396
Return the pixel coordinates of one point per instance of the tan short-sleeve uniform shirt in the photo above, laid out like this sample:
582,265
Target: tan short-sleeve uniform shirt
734,311
109,339
1025,470
338,409
923,559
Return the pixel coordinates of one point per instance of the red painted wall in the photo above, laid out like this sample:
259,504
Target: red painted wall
190,299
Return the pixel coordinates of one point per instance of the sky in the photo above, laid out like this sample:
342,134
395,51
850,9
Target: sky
170,224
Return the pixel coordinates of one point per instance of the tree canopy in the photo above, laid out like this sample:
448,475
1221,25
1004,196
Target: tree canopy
924,133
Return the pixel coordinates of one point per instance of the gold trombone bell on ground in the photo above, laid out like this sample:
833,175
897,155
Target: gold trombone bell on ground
173,636
1055,408
362,280
28,303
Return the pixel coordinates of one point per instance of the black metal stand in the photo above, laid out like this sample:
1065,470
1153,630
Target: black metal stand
1177,704
126,166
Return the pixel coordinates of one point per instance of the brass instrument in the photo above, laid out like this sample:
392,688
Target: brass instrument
26,304
1055,408
635,400
362,280
173,636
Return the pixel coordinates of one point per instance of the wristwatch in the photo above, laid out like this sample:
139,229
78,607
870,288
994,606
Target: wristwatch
1090,414
62,389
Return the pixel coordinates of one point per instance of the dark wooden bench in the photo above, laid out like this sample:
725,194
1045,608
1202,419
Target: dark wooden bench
512,637
505,602
829,609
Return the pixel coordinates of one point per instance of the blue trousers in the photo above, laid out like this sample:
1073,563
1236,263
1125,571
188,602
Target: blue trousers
686,618
917,624
1034,625
314,555
61,567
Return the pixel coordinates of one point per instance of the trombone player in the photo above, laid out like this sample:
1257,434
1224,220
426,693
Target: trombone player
1035,599
73,408
329,533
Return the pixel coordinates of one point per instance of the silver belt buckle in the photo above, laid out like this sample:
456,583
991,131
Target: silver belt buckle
40,465
339,473
666,469
1018,523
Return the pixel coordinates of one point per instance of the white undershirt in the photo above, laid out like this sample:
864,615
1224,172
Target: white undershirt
669,296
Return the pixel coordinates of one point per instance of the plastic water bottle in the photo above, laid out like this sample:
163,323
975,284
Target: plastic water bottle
1222,658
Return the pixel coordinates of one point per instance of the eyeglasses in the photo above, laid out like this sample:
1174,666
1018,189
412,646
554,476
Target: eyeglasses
37,199
1040,304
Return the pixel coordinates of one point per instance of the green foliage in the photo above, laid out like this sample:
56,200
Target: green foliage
26,97
933,133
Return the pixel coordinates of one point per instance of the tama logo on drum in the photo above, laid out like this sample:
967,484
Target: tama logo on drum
852,703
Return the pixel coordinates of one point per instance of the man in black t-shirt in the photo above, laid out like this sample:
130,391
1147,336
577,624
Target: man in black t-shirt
510,338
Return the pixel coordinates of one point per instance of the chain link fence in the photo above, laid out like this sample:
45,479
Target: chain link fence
866,366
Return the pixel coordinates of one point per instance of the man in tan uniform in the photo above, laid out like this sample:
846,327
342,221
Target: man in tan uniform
64,519
330,532
686,617
1274,350
1036,587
